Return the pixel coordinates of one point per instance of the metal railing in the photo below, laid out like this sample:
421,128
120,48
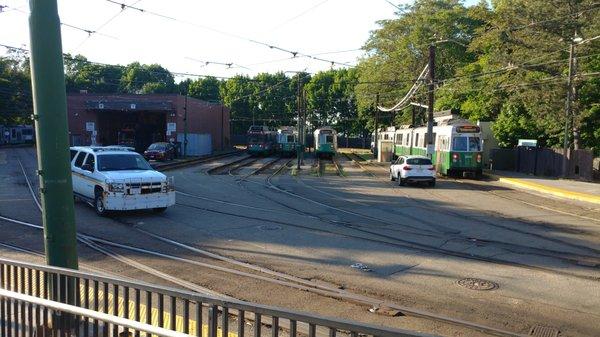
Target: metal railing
38,300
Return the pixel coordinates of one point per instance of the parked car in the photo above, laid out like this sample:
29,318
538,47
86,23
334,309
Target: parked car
413,169
115,178
160,151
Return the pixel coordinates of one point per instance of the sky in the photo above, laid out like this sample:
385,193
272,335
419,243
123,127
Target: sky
194,32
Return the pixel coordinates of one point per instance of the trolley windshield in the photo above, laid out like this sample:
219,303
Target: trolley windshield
254,139
466,144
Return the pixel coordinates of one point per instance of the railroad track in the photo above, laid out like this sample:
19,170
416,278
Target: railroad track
424,204
322,166
221,169
264,166
291,281
177,165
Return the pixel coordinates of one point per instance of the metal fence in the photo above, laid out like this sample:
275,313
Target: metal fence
543,162
33,302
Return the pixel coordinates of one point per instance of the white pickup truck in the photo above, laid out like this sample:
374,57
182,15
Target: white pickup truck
115,178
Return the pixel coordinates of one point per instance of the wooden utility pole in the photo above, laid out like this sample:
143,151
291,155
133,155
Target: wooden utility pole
375,141
298,106
431,97
568,115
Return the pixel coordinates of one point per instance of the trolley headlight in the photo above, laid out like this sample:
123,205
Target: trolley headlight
116,187
479,157
455,156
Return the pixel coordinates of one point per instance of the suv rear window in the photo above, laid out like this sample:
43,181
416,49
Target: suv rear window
418,161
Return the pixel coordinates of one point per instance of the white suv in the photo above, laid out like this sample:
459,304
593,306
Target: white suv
116,178
412,169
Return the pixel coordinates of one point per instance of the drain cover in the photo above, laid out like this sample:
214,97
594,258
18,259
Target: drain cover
544,331
477,284
269,227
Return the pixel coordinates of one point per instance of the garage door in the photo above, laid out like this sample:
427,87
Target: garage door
199,144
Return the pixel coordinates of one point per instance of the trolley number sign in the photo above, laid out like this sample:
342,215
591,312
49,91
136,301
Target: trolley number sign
326,132
467,129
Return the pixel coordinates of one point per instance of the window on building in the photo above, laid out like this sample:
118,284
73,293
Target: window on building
416,143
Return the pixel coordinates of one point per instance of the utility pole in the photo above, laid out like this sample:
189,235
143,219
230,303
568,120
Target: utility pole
431,97
185,127
568,114
222,129
376,146
50,115
300,138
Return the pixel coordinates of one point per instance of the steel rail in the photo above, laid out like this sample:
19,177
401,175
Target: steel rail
366,300
239,166
429,316
263,167
479,219
202,160
226,303
223,166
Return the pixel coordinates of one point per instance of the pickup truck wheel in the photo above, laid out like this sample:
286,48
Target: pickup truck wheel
99,205
159,209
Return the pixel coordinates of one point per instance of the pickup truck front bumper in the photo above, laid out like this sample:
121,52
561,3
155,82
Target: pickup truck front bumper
123,202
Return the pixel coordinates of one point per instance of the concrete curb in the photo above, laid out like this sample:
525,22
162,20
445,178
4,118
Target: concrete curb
558,192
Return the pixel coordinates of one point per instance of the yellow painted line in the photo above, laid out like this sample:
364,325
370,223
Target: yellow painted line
559,192
179,320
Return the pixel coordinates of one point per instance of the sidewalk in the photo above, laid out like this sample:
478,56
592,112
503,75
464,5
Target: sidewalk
563,188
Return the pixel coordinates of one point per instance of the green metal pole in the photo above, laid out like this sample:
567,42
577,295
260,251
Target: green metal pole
50,115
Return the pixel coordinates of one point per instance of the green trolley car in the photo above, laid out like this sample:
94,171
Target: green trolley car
325,142
457,146
287,140
261,140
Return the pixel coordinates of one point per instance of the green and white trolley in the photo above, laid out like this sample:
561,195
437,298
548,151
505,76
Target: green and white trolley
457,146
325,142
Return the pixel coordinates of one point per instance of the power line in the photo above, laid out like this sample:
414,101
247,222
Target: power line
90,32
299,15
264,44
104,24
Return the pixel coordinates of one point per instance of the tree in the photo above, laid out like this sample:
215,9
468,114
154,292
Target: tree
15,89
397,52
235,93
205,89
145,79
94,78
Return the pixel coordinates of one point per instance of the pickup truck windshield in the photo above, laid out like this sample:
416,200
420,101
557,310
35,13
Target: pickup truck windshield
122,162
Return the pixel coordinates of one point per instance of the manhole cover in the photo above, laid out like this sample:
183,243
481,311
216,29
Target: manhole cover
477,284
269,227
544,331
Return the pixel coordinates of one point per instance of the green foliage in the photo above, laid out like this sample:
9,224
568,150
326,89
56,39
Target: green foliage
512,68
15,90
205,89
146,79
514,123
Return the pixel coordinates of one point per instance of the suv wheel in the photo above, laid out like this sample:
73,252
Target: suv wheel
159,209
392,176
99,205
401,181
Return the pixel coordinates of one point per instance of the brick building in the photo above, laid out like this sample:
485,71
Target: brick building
139,120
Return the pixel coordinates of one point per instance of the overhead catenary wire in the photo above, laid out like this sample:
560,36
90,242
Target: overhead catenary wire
233,35
84,30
